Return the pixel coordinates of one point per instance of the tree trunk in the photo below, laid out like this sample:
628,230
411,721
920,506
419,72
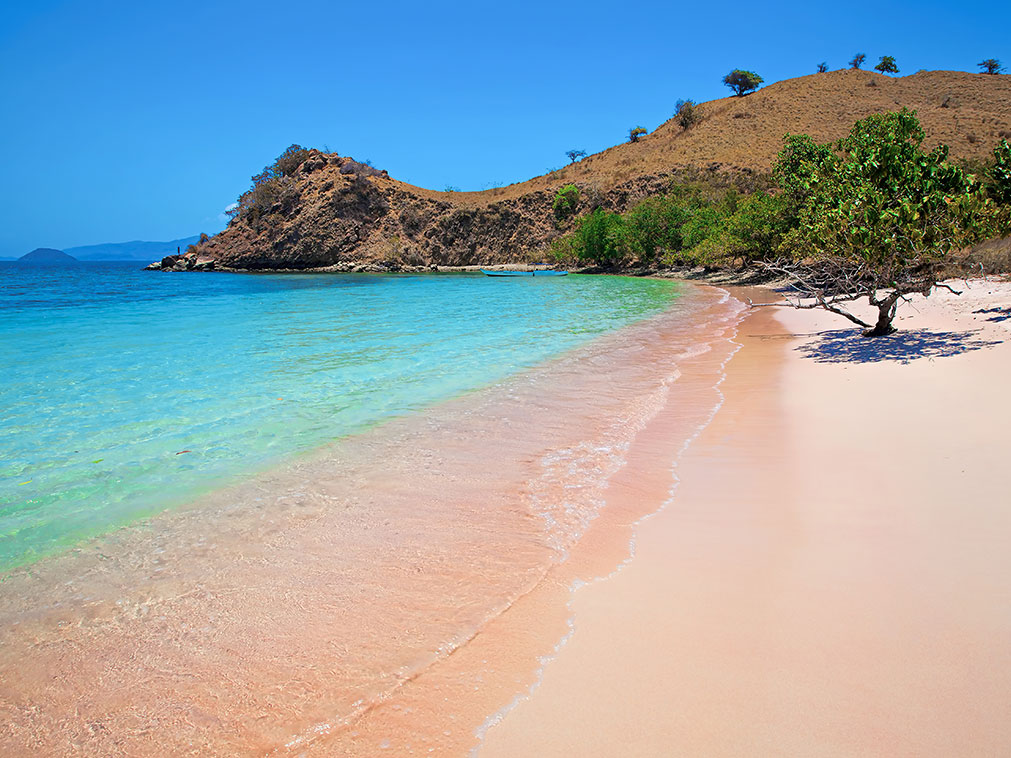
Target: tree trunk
886,312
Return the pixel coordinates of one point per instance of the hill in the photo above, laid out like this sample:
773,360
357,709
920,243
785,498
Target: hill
130,251
46,255
335,213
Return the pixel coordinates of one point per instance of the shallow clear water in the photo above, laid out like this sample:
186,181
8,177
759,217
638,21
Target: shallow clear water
125,392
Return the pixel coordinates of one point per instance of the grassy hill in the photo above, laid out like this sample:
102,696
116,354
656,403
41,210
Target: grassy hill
334,213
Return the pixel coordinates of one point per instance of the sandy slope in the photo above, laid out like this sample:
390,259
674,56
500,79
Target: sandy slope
832,576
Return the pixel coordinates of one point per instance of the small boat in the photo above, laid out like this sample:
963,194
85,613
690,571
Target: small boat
535,272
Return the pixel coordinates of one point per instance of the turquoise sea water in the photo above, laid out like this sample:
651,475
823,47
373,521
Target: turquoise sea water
110,374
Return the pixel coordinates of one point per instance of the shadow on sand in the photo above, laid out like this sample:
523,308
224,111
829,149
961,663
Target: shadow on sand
999,314
851,346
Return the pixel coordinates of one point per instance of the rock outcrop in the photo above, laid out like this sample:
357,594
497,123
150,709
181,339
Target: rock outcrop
338,214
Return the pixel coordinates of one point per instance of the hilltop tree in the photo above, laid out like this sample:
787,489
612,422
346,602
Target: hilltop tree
990,66
742,82
887,65
636,133
880,215
822,67
858,60
575,155
687,113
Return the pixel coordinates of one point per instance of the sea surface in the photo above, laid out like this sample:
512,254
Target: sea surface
124,393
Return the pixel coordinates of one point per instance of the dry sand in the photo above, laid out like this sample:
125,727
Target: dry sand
832,575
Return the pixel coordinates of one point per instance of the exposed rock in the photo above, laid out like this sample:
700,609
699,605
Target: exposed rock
338,214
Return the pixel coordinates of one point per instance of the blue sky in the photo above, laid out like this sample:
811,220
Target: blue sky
127,120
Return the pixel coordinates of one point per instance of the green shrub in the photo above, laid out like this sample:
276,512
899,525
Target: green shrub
858,60
566,202
742,82
599,237
636,133
687,114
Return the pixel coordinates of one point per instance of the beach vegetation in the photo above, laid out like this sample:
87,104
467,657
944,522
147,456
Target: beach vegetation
990,66
566,202
858,61
887,65
636,133
878,215
742,82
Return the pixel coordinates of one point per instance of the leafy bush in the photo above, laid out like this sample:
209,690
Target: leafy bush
566,201
687,113
599,238
858,60
998,176
636,133
742,82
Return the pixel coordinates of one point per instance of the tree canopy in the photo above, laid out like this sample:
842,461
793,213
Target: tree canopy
887,65
742,82
881,214
575,155
858,60
990,66
636,133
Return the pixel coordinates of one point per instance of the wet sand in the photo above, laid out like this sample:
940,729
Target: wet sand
832,576
385,594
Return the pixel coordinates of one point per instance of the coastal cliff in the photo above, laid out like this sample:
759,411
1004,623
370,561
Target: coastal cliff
331,212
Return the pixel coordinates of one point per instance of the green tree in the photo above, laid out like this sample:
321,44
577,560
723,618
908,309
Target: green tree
599,237
990,66
998,175
636,133
858,60
742,82
566,201
880,214
887,65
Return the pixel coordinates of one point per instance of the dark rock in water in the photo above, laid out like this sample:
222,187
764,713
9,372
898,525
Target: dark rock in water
186,262
47,255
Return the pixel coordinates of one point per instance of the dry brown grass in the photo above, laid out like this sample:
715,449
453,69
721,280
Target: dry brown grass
747,132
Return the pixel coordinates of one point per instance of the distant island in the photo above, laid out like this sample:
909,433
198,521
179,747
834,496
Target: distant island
46,255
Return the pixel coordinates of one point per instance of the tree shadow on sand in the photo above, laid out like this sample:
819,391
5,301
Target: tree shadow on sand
998,314
851,346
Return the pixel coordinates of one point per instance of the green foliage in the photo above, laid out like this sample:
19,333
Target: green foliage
566,201
822,67
636,132
887,65
599,238
885,211
687,113
990,66
998,175
742,82
575,155
858,60
273,185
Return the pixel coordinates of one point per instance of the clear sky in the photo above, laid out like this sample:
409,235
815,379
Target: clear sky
144,120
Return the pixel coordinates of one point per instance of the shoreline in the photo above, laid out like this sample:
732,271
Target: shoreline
840,594
232,628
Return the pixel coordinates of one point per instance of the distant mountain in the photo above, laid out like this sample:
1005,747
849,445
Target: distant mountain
131,251
47,255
